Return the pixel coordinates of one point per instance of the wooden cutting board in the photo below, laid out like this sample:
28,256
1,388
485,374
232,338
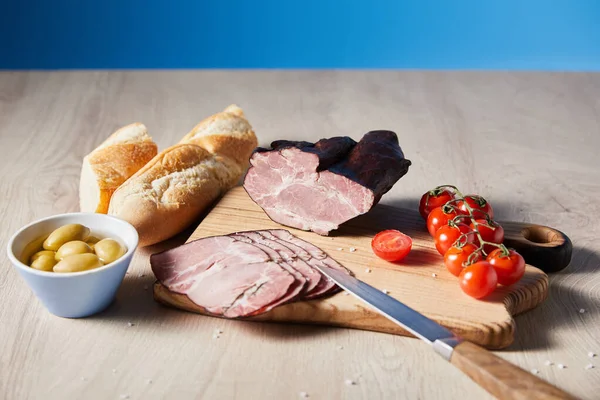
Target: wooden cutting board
421,281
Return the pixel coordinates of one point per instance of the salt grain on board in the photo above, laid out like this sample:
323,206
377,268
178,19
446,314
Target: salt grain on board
591,354
124,396
340,347
535,371
114,370
368,270
349,382
385,291
434,274
548,362
352,249
149,381
581,311
589,366
130,324
303,394
340,249
561,366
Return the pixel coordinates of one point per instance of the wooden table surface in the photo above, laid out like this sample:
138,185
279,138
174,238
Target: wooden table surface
527,141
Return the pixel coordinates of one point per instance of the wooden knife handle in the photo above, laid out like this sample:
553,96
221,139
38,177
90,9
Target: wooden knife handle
541,246
501,378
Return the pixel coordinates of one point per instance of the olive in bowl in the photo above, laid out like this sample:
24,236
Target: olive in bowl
59,260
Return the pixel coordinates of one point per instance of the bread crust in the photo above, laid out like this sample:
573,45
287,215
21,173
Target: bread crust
174,188
227,133
120,156
171,191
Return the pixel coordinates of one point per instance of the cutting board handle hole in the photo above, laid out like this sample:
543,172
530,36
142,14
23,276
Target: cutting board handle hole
541,234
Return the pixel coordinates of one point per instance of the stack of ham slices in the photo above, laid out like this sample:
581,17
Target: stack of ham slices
245,273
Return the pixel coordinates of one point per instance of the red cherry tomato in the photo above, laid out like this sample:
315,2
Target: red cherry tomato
434,199
456,257
391,245
447,235
479,205
490,232
478,280
509,268
438,218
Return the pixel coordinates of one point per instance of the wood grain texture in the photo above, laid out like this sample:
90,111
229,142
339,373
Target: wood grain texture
526,141
500,378
412,281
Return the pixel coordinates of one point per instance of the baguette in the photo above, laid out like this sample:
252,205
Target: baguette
112,163
181,182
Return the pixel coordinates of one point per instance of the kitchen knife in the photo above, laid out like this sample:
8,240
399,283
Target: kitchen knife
499,377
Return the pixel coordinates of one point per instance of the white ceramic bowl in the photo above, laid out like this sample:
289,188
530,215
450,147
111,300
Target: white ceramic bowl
75,294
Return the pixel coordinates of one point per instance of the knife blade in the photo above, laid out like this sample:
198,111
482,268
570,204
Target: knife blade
442,339
496,375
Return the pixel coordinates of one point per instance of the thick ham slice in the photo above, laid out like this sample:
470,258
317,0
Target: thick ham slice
311,275
322,185
245,273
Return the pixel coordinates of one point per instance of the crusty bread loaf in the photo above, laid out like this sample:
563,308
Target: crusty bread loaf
181,182
227,133
112,163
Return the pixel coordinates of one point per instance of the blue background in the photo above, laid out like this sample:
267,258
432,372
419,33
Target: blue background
484,34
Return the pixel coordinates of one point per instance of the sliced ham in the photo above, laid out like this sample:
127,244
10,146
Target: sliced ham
245,273
318,186
312,276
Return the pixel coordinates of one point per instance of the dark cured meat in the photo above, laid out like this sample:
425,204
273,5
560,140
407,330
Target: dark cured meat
319,186
246,273
329,151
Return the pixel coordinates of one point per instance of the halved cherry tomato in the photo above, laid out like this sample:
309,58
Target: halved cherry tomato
479,205
434,199
391,245
456,257
509,268
490,232
478,280
446,236
438,218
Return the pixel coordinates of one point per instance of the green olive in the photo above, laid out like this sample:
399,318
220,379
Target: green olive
72,247
109,250
42,253
32,248
91,241
78,262
44,262
66,234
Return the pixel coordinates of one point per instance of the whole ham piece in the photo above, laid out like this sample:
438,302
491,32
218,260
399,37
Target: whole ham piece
245,273
318,186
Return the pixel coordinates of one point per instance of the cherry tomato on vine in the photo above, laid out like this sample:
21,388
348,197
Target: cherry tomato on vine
438,218
509,268
478,280
456,257
434,199
447,235
490,232
391,245
479,206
